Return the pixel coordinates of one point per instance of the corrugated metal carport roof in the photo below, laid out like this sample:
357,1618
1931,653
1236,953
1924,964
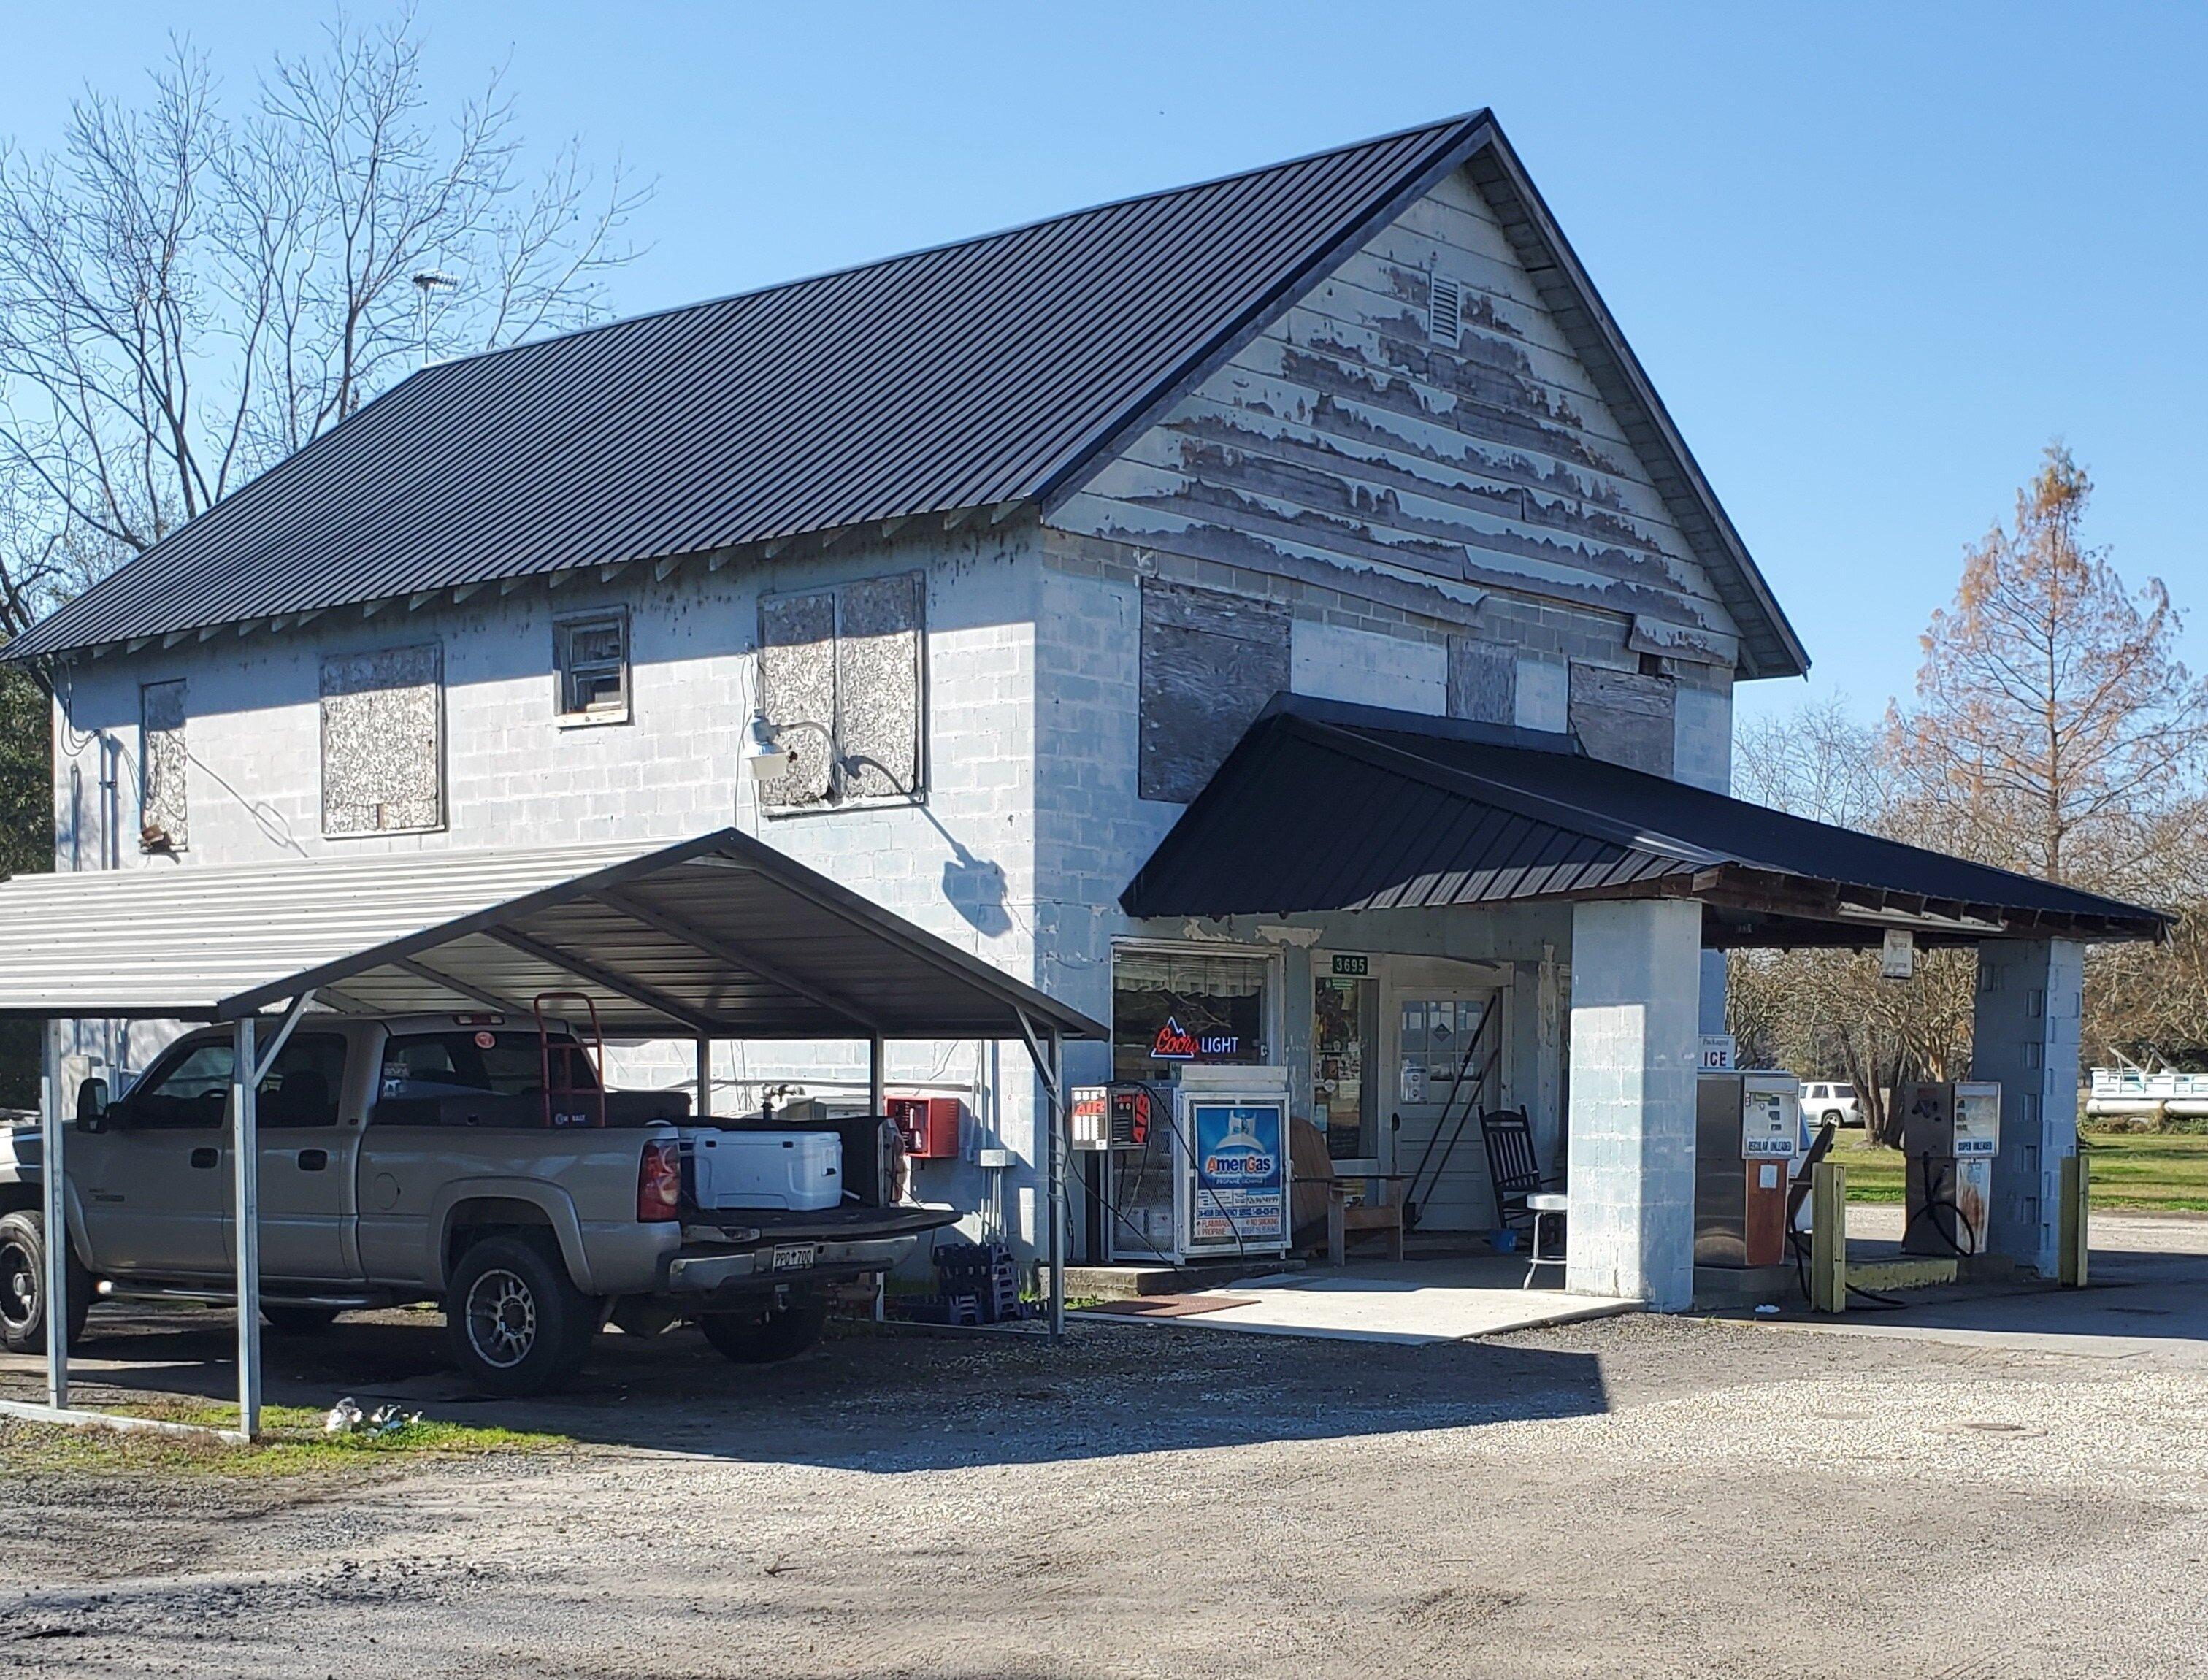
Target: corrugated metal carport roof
721,935
1437,811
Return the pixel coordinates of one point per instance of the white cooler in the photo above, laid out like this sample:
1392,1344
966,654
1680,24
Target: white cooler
800,1171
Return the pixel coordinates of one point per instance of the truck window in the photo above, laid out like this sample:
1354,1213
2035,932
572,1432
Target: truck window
190,1089
302,1088
510,1064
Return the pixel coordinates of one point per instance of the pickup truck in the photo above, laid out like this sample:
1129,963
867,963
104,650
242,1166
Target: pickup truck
467,1159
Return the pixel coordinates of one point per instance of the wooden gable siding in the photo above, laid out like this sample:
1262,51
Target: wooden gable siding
1344,433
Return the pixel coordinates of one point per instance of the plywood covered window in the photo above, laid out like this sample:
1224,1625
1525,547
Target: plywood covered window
1210,662
1625,717
164,814
383,746
841,680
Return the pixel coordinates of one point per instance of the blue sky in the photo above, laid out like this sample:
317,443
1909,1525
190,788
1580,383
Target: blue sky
1874,258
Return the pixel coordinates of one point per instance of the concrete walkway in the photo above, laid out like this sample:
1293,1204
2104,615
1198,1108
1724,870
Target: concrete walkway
1452,1299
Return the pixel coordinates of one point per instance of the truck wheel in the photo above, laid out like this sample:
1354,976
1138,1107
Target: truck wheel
518,1325
763,1338
23,1286
299,1320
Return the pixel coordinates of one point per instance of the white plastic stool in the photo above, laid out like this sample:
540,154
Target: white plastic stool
1540,1202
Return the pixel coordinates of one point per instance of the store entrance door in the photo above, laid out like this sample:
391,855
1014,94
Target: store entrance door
1448,1066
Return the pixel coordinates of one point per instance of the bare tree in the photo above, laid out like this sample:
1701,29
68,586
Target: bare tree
186,296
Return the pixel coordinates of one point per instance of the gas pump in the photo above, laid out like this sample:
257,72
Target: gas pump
1748,1129
1950,1134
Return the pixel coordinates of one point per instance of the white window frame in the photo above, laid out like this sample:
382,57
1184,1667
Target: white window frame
563,630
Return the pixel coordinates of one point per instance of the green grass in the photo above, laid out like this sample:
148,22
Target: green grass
2157,1172
291,1443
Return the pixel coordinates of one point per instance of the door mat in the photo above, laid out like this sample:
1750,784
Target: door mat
1170,1306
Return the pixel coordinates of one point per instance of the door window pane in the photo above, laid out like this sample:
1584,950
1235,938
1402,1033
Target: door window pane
191,1091
302,1088
1344,1105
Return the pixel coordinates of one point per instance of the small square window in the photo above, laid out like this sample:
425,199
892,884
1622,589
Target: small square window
592,656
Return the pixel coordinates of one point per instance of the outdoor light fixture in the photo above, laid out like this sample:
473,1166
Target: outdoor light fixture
765,756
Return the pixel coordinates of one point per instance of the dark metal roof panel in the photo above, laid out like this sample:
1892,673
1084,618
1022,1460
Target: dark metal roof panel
1448,812
965,375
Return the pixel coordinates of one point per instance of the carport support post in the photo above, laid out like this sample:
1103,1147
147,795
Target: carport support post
877,1077
705,1077
1055,1078
244,1098
55,1184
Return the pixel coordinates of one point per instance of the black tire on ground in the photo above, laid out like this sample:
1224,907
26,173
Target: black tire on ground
23,1286
298,1320
763,1338
517,1324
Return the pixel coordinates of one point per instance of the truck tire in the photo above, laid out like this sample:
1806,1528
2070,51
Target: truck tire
298,1320
765,1338
23,1286
517,1324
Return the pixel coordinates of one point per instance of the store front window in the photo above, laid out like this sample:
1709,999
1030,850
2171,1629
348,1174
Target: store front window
1173,1008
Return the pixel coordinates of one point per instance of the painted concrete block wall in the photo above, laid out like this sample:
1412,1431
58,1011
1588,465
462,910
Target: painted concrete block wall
2026,1032
961,865
1635,1018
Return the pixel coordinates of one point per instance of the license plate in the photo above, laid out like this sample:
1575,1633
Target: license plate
795,1258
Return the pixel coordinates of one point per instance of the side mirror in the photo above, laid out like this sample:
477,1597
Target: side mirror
92,1106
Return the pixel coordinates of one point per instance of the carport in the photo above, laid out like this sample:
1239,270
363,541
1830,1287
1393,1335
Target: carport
721,937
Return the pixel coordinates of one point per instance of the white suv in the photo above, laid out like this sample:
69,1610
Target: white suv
1824,1100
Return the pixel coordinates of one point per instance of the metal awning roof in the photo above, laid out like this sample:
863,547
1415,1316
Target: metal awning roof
722,935
1440,812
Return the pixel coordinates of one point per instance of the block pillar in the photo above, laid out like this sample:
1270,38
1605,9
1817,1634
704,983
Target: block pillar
2025,1033
1635,1023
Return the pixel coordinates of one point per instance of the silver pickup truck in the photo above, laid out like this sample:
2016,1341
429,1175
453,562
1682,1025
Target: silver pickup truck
466,1160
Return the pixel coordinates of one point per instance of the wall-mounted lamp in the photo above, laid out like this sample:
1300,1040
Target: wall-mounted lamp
765,756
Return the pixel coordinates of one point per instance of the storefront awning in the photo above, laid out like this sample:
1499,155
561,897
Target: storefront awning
1325,806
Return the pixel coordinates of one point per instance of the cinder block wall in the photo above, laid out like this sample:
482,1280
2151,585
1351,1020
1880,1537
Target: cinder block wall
961,865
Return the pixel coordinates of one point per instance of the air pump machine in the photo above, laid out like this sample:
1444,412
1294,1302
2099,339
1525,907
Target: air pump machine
1196,1172
1950,1134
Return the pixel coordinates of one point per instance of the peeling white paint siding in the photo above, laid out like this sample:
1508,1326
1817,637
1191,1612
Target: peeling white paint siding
1344,432
1333,663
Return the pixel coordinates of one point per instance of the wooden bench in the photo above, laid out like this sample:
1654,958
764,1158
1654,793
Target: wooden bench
1319,1193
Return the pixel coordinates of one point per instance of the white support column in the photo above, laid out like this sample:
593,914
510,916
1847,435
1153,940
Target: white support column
1635,1016
2025,1033
877,1077
244,1106
54,1180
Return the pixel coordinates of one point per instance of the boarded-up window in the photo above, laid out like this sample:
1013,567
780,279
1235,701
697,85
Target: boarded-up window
163,815
840,680
383,749
1625,717
1210,662
1483,680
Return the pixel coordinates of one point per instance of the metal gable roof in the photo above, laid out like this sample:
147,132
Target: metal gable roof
1450,814
721,935
987,372
963,376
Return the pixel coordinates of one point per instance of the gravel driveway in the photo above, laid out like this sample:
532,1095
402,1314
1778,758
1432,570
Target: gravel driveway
1633,1496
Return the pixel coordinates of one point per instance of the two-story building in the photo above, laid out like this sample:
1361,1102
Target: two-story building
1337,474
